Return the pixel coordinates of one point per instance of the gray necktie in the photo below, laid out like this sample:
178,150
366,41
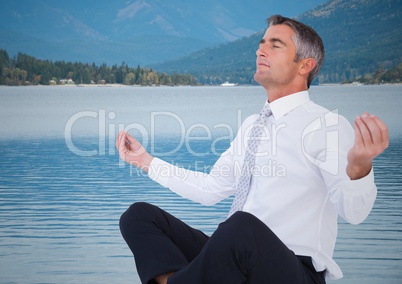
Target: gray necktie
243,184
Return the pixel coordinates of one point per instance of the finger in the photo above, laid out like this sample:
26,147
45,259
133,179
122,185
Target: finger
373,128
378,131
383,130
135,145
118,138
122,142
358,135
130,138
366,139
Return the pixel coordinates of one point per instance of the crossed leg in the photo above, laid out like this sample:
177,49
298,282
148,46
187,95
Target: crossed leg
242,250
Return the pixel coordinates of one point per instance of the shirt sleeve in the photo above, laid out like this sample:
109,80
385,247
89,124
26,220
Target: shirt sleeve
357,198
205,188
353,198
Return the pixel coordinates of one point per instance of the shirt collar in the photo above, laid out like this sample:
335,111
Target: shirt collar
284,105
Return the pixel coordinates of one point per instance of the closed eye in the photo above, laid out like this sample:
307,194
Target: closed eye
277,43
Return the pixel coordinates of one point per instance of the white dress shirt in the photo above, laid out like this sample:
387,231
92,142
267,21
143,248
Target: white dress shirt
299,183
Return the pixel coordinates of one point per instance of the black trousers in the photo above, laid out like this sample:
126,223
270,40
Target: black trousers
242,250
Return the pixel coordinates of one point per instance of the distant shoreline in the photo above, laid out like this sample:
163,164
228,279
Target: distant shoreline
90,85
131,86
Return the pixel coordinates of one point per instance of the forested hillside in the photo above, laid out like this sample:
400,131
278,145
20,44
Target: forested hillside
363,40
362,37
134,31
27,70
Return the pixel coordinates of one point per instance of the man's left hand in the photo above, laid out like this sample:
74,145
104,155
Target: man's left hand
371,139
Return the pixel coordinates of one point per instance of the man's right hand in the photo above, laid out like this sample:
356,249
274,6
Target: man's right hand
132,152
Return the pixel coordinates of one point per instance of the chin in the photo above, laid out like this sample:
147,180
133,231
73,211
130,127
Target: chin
258,78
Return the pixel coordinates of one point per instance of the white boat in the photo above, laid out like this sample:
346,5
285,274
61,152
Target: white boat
227,84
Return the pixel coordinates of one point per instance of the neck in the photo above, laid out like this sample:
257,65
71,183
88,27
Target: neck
274,94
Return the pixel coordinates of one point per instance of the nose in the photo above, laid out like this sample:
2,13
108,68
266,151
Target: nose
260,52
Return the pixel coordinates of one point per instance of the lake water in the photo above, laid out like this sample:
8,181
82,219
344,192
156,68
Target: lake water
63,189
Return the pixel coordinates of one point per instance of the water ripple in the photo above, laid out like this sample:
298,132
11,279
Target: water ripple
59,217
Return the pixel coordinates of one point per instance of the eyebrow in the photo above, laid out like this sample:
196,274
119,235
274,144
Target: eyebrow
273,40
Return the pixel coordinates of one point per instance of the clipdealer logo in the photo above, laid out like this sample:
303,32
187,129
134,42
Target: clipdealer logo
327,161
326,125
107,132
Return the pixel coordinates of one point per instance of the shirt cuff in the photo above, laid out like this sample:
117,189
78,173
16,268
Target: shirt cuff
360,186
160,171
358,198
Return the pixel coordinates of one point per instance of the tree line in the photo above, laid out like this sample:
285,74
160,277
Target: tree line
381,75
28,70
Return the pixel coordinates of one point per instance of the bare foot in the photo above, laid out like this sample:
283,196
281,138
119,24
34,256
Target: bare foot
162,279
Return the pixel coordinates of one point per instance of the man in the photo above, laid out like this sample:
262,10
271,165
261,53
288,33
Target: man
282,227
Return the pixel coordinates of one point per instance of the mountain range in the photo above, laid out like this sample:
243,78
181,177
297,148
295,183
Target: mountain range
136,32
360,38
213,40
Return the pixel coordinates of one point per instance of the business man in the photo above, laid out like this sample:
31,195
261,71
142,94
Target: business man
281,228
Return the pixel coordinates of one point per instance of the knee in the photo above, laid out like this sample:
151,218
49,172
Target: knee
233,225
234,236
241,226
137,211
242,219
138,208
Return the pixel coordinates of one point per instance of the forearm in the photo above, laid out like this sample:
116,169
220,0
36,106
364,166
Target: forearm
200,187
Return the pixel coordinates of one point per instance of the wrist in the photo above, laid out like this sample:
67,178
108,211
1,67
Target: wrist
358,171
146,162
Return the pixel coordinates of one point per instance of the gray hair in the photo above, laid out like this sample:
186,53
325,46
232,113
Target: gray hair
308,43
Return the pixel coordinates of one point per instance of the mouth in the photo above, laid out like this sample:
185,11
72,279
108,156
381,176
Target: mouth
262,64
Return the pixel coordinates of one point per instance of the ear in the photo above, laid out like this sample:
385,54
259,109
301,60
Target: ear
307,65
